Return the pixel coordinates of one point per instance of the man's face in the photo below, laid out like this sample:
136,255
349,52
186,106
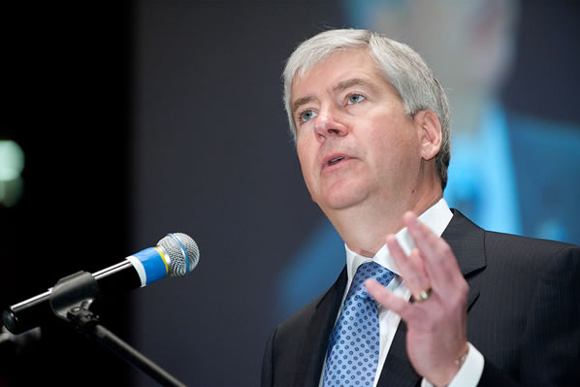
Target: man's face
354,141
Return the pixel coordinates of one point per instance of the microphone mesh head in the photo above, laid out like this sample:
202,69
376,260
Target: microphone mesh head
182,251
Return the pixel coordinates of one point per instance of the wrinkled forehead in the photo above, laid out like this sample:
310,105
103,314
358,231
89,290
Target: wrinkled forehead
315,63
340,64
322,56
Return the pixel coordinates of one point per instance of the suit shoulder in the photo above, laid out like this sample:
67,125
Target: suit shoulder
493,237
528,251
299,319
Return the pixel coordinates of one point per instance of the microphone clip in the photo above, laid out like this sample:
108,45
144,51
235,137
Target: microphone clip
72,297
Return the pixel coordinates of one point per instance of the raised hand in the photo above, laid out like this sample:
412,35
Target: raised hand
437,316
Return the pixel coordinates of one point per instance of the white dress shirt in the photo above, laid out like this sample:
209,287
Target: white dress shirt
436,218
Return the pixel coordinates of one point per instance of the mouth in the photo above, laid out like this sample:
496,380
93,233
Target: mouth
333,160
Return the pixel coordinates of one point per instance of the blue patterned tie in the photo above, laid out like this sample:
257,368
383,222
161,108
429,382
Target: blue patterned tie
353,350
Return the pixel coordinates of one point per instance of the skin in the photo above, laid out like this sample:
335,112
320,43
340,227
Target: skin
437,327
342,107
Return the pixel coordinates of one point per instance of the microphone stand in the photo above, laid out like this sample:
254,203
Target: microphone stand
71,299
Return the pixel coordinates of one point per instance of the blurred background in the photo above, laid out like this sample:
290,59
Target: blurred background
124,120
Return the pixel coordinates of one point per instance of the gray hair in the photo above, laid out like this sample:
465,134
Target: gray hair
399,64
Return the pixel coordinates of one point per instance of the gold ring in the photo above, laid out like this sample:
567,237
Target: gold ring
423,295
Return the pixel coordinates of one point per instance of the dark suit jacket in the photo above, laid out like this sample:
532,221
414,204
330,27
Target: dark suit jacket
523,316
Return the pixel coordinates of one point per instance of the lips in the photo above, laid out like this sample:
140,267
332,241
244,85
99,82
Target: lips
333,159
336,160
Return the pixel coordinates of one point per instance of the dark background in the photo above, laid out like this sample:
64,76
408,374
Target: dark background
65,78
139,119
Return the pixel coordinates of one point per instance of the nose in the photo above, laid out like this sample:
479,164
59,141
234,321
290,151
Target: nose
329,123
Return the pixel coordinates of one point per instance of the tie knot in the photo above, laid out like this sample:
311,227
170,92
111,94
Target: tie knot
369,270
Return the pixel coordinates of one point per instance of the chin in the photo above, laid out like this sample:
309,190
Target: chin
343,199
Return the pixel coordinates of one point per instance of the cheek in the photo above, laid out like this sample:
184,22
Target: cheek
307,158
302,155
394,152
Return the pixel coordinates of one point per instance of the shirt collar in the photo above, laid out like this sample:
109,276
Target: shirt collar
437,217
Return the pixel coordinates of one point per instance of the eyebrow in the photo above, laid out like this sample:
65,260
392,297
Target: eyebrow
302,101
336,89
354,82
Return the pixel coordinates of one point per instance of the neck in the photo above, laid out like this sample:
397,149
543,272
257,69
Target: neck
365,228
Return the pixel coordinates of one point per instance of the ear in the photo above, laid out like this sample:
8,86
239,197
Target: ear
430,135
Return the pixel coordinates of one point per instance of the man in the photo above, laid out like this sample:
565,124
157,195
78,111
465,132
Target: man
463,306
507,172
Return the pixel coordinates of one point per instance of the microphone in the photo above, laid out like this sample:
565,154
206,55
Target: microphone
176,254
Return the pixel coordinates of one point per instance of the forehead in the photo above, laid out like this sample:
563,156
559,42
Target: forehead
335,68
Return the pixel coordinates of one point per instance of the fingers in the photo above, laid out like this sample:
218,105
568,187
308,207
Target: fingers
430,265
438,260
386,298
436,328
411,268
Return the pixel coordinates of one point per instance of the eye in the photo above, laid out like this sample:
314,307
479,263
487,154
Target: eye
355,98
306,115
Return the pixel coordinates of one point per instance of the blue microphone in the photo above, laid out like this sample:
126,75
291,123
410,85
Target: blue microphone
175,255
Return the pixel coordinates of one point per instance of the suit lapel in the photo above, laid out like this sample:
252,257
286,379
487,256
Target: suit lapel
315,343
397,370
467,242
